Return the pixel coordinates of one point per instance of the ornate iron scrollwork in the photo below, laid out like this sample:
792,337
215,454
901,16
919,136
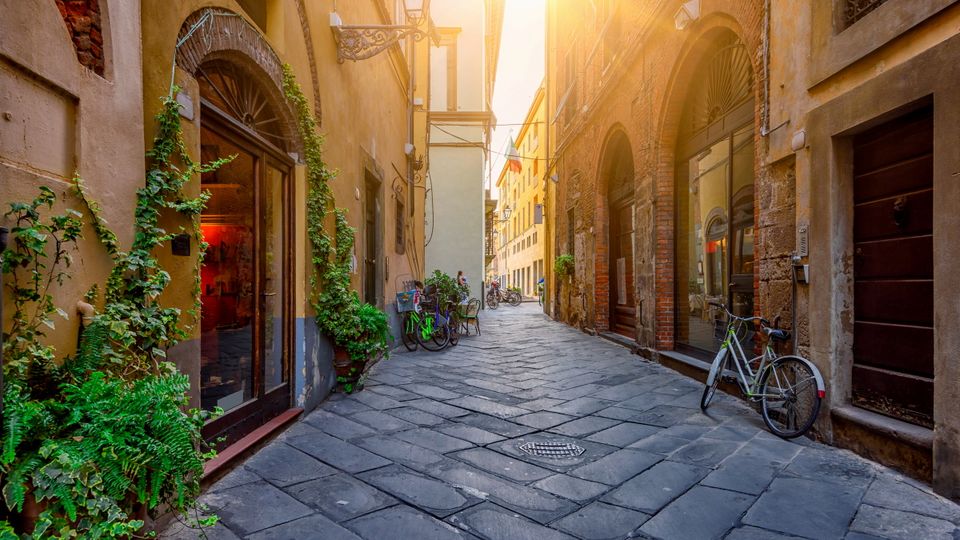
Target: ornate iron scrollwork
361,42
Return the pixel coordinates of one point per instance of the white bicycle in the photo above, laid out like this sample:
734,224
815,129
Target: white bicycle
789,388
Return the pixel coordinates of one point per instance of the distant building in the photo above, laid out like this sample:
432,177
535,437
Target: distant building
462,68
796,163
520,229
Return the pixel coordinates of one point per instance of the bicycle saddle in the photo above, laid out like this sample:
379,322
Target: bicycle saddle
778,335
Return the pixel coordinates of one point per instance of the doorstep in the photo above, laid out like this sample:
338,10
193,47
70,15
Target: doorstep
894,443
219,465
621,340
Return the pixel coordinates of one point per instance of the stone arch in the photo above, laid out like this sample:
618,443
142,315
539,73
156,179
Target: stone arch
615,188
215,35
698,45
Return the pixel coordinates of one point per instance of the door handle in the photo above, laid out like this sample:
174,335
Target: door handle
269,294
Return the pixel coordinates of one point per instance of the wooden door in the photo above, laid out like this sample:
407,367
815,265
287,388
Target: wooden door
893,268
372,240
623,311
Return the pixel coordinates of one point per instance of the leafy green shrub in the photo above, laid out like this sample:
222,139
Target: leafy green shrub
447,287
564,265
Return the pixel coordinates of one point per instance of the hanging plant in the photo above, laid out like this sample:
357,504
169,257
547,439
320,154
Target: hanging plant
564,266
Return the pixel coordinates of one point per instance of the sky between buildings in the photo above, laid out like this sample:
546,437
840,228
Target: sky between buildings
519,72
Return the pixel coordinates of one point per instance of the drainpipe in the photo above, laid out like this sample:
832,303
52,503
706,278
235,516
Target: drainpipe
3,247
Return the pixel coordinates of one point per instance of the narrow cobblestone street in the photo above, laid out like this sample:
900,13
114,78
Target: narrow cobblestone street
431,450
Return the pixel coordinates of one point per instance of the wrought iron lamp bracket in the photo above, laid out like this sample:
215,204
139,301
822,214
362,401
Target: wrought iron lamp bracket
359,42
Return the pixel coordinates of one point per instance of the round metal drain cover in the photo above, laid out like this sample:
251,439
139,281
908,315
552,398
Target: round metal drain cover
551,449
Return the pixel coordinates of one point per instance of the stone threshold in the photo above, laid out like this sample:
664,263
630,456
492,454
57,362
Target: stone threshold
911,434
220,465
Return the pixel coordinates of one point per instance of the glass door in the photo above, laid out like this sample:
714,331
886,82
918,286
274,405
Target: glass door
245,282
227,277
715,255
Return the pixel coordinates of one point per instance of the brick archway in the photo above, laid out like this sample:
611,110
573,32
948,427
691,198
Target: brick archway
615,172
698,45
220,35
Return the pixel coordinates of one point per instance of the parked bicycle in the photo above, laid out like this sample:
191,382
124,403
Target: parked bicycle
789,388
425,324
496,295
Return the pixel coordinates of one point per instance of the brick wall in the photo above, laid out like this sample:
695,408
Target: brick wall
643,92
82,18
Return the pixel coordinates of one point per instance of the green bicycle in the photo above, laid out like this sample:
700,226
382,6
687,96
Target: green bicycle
426,328
789,388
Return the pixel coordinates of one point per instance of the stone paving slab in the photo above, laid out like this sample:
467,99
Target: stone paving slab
492,522
431,450
405,522
424,492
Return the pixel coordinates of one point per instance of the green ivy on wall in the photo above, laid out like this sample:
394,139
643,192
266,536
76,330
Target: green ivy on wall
105,435
360,328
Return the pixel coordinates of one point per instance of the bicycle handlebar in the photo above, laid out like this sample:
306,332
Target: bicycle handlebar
763,322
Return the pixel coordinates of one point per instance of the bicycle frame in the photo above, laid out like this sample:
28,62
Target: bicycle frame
748,380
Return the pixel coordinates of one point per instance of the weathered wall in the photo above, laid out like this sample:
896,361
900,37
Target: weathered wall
818,87
59,117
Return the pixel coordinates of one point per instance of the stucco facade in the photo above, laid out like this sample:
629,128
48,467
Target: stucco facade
462,65
800,97
64,117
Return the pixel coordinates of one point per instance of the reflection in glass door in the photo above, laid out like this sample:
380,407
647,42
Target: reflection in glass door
227,277
273,278
715,238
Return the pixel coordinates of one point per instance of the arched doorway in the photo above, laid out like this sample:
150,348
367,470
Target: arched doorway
246,317
617,171
714,193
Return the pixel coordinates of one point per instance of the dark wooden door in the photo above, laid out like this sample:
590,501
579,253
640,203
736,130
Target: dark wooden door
893,268
623,311
371,228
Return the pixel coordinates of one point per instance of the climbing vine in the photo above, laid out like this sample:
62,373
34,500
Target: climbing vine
105,435
359,328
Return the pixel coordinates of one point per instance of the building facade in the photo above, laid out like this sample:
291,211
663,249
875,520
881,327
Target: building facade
520,194
781,158
81,86
462,66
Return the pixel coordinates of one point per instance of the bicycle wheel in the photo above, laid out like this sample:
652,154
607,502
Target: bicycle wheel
714,378
492,301
514,299
431,336
454,333
408,333
791,397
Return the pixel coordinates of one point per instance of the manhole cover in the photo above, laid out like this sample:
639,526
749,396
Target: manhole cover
551,449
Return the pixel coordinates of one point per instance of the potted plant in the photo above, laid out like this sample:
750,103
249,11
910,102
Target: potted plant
564,265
